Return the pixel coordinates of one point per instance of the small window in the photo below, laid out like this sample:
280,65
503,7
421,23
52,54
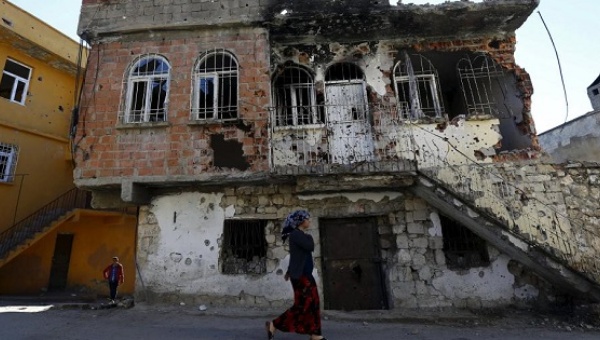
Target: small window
463,249
244,247
295,98
8,162
147,90
216,87
595,92
15,82
417,88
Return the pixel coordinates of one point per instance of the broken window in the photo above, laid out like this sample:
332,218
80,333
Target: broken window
462,248
216,87
244,247
480,79
147,90
295,98
8,162
15,81
417,88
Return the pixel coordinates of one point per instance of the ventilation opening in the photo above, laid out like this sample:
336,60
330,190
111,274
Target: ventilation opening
244,248
463,249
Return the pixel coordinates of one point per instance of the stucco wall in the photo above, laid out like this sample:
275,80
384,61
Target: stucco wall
180,237
577,140
97,237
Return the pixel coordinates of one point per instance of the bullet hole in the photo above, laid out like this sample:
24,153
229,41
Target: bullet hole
212,266
61,109
40,78
176,257
481,274
174,216
7,22
212,248
207,243
188,261
279,272
494,44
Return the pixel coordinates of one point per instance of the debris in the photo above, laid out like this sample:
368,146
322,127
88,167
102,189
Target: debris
202,308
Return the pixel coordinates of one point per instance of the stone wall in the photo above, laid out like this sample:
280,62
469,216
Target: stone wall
180,239
554,207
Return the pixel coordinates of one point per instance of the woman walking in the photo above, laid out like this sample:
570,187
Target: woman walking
304,317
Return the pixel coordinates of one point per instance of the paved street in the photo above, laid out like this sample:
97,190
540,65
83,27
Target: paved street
187,323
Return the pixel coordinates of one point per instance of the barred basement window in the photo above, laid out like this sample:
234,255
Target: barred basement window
147,90
215,95
463,249
244,248
8,162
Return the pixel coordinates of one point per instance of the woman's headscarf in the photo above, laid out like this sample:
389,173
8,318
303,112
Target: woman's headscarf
293,221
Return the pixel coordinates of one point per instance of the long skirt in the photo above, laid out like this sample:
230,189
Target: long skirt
304,317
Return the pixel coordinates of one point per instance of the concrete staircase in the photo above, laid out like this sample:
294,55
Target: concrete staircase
34,227
497,232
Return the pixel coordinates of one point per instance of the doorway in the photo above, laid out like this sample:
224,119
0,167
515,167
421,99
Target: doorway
352,271
60,262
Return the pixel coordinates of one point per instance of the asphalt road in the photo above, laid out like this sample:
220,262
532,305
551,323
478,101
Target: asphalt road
151,323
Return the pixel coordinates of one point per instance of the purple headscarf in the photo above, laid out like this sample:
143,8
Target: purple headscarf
293,221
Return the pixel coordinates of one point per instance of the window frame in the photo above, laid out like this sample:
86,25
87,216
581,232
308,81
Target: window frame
16,81
10,165
216,112
292,89
146,112
232,255
415,111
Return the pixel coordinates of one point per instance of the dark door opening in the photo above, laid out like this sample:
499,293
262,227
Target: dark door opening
60,262
352,273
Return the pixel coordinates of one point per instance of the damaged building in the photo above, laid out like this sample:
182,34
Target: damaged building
405,131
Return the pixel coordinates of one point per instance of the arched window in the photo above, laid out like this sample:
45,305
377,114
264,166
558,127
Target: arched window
147,90
295,97
215,94
480,80
417,88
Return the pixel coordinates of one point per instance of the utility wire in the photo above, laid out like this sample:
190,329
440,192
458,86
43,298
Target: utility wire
562,78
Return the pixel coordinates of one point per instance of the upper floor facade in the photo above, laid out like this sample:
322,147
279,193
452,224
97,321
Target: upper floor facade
205,92
37,89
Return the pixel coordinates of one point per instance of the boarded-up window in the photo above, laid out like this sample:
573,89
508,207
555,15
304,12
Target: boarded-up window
244,247
463,249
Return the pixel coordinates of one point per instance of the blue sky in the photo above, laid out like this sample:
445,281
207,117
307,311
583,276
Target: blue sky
572,24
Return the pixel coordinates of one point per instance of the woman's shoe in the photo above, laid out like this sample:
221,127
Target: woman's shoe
270,335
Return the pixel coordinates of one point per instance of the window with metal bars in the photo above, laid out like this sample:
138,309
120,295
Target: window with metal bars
147,90
8,162
295,98
479,78
15,81
462,248
417,88
215,95
244,247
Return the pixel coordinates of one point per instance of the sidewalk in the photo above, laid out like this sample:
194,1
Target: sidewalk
580,317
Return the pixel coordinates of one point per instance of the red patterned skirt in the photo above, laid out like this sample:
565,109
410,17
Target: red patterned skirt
304,317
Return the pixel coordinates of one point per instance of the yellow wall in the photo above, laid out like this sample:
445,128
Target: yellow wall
98,236
40,128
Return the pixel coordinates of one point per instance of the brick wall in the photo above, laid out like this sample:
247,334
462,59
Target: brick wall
106,148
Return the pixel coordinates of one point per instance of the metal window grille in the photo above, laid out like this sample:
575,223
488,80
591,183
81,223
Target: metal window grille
417,88
479,78
463,249
295,98
15,81
244,247
215,95
147,84
8,162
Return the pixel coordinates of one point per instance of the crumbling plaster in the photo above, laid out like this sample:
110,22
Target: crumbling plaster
179,245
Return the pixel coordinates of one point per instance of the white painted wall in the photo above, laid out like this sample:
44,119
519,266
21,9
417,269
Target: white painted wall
183,256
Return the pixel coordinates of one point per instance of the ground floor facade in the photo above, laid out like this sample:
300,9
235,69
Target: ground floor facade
375,249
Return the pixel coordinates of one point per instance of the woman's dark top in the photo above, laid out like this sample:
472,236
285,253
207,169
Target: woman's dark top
301,248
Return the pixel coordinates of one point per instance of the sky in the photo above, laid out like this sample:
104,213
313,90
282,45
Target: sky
571,23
